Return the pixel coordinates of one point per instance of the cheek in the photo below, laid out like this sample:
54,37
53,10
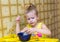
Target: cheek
28,21
35,20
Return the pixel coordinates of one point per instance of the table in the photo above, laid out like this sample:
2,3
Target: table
14,38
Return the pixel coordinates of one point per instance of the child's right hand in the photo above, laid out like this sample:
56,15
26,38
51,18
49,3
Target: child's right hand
18,19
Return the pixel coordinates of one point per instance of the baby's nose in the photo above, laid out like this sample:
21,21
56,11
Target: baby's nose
31,20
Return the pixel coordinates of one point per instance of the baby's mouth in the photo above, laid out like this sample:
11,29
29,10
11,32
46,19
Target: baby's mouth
31,23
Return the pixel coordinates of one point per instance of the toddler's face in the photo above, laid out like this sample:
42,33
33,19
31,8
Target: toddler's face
32,18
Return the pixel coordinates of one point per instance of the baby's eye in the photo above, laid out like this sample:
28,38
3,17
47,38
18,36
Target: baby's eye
32,17
28,18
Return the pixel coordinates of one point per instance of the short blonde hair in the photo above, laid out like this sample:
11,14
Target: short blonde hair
30,8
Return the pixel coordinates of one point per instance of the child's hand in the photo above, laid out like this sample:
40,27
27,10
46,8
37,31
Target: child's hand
30,30
18,19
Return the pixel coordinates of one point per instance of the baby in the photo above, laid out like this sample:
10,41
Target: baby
34,26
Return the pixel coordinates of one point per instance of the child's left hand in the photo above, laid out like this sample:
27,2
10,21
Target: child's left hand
30,30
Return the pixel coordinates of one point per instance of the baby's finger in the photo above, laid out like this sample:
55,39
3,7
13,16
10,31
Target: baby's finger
28,31
18,18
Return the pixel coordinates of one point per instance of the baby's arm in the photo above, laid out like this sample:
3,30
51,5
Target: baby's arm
43,30
17,25
17,28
